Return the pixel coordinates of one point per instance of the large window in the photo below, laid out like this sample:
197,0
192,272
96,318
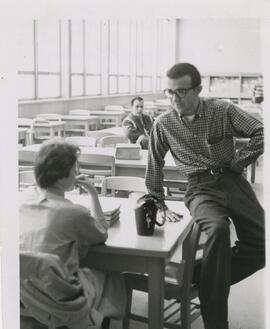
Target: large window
144,56
119,56
39,60
85,58
165,50
80,58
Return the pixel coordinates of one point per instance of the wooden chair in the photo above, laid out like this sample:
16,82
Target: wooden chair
98,135
40,133
111,141
26,179
97,166
82,141
34,266
36,270
122,183
178,287
80,127
82,112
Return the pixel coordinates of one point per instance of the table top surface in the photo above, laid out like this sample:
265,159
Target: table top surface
70,117
23,122
51,124
141,163
103,112
114,130
123,237
22,130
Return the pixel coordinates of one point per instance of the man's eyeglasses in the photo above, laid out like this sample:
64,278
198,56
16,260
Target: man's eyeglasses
181,92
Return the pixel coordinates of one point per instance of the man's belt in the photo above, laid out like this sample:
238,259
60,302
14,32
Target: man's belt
210,172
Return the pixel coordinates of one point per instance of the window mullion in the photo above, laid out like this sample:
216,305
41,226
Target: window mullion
142,52
70,58
84,59
60,60
117,56
35,61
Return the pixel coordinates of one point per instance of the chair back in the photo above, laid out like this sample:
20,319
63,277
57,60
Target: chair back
112,140
82,112
82,141
26,179
97,166
50,117
36,132
114,108
98,135
123,183
49,294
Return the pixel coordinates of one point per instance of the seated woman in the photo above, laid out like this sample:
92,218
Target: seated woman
50,224
137,125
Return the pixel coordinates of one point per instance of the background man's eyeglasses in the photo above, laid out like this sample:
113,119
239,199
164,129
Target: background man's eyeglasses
181,92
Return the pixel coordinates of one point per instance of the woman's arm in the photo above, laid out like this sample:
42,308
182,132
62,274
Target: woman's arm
95,206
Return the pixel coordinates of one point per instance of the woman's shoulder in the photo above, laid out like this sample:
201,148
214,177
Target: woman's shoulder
71,210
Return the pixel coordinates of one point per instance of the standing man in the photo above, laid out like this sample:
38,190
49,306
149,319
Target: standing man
199,133
138,125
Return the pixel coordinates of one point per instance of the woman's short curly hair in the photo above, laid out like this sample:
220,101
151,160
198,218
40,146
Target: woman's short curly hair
54,161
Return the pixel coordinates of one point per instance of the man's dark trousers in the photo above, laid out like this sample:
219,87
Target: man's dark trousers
212,201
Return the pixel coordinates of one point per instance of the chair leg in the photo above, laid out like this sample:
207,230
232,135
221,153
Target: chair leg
106,323
185,314
126,320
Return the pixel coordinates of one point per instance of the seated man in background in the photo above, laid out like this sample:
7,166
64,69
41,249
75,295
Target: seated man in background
137,125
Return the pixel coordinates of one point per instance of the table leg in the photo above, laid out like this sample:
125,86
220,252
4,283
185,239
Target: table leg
51,133
156,293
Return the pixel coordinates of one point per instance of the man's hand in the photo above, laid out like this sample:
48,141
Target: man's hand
171,216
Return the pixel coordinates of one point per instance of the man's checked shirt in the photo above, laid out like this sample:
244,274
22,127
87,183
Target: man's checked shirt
205,143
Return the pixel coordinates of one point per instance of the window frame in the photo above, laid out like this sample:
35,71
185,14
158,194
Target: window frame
36,73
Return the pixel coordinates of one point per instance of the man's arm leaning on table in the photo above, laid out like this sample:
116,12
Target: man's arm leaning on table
158,147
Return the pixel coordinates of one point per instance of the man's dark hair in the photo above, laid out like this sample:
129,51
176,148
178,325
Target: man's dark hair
181,69
54,161
137,98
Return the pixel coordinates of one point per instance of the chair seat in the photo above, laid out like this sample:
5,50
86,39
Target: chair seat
173,279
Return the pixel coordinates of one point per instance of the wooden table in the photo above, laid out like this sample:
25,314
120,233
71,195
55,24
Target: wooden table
126,251
22,135
123,167
25,122
81,123
113,118
53,128
150,110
